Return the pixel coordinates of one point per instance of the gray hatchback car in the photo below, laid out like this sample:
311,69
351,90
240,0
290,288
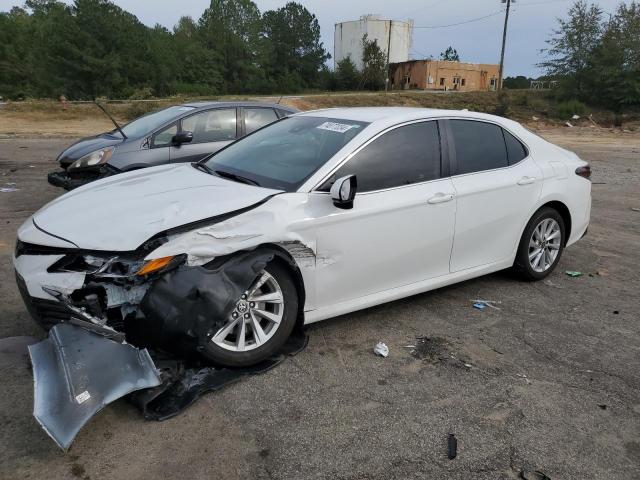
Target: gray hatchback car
181,133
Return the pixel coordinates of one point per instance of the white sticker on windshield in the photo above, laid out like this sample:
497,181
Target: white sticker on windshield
335,127
185,109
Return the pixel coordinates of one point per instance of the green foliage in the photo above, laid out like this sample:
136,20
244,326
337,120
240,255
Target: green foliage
94,48
347,75
597,61
374,63
517,83
568,109
450,54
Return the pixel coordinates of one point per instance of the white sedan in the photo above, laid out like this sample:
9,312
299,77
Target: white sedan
317,215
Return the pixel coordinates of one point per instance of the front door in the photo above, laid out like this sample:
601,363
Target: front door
400,229
212,130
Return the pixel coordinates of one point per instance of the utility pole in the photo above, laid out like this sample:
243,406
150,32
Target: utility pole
504,41
386,75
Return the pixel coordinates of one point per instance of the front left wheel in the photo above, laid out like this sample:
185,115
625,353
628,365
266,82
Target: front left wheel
260,323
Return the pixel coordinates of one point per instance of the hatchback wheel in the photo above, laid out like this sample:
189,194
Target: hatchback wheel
541,245
260,323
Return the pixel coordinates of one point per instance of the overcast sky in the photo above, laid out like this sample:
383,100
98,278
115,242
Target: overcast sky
530,23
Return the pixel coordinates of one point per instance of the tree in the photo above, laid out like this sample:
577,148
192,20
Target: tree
347,76
294,53
612,74
517,83
230,29
450,54
374,62
572,45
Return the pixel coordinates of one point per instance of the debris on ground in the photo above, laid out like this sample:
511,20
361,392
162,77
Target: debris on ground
635,209
183,383
602,406
431,349
452,446
573,273
534,118
568,124
575,117
381,350
9,189
599,273
481,304
77,373
523,376
533,475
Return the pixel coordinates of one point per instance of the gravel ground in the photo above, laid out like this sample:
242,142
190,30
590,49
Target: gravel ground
549,382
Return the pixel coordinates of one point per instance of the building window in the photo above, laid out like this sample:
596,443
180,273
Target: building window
464,81
456,80
442,81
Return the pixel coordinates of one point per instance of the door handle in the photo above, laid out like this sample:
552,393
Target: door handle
440,198
526,180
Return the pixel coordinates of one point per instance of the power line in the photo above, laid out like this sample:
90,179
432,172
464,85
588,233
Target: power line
465,22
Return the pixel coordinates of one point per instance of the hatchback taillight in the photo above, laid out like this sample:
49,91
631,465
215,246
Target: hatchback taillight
584,172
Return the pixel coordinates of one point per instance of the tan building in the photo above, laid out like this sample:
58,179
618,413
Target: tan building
443,75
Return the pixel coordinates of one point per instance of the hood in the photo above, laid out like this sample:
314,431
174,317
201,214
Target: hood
87,145
122,212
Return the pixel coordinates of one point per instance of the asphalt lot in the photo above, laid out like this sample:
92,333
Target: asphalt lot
553,382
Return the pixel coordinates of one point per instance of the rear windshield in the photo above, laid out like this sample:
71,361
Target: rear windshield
148,123
285,154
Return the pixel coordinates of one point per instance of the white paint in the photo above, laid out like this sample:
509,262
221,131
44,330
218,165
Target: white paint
348,39
392,244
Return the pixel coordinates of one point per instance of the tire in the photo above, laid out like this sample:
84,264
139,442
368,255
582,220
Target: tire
544,220
223,348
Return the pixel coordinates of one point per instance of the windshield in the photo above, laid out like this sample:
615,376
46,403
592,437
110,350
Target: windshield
286,153
146,124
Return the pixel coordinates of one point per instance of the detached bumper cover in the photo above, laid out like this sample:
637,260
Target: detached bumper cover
69,182
77,373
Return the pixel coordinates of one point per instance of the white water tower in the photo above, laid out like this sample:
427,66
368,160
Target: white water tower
396,34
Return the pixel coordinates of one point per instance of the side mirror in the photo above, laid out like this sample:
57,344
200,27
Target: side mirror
343,191
182,137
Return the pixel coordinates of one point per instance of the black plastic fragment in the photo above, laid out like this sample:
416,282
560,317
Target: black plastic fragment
452,446
183,383
534,475
183,307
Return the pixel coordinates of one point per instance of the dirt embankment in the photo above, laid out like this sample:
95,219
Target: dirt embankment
45,118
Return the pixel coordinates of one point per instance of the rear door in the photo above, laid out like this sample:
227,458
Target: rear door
254,118
212,130
496,185
400,228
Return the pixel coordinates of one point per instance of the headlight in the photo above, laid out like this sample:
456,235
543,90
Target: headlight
92,159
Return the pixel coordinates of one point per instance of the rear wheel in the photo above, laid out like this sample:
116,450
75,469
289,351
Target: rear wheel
260,323
541,245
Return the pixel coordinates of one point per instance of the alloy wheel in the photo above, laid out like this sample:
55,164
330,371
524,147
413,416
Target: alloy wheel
544,245
255,317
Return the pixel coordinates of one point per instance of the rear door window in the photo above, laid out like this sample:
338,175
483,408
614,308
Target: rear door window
479,146
516,151
212,125
254,118
402,156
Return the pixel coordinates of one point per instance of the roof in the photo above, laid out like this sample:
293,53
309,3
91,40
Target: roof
210,104
393,115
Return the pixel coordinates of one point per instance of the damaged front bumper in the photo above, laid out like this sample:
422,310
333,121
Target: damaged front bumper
69,181
78,372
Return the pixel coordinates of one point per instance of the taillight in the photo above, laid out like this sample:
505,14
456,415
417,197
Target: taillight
584,172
